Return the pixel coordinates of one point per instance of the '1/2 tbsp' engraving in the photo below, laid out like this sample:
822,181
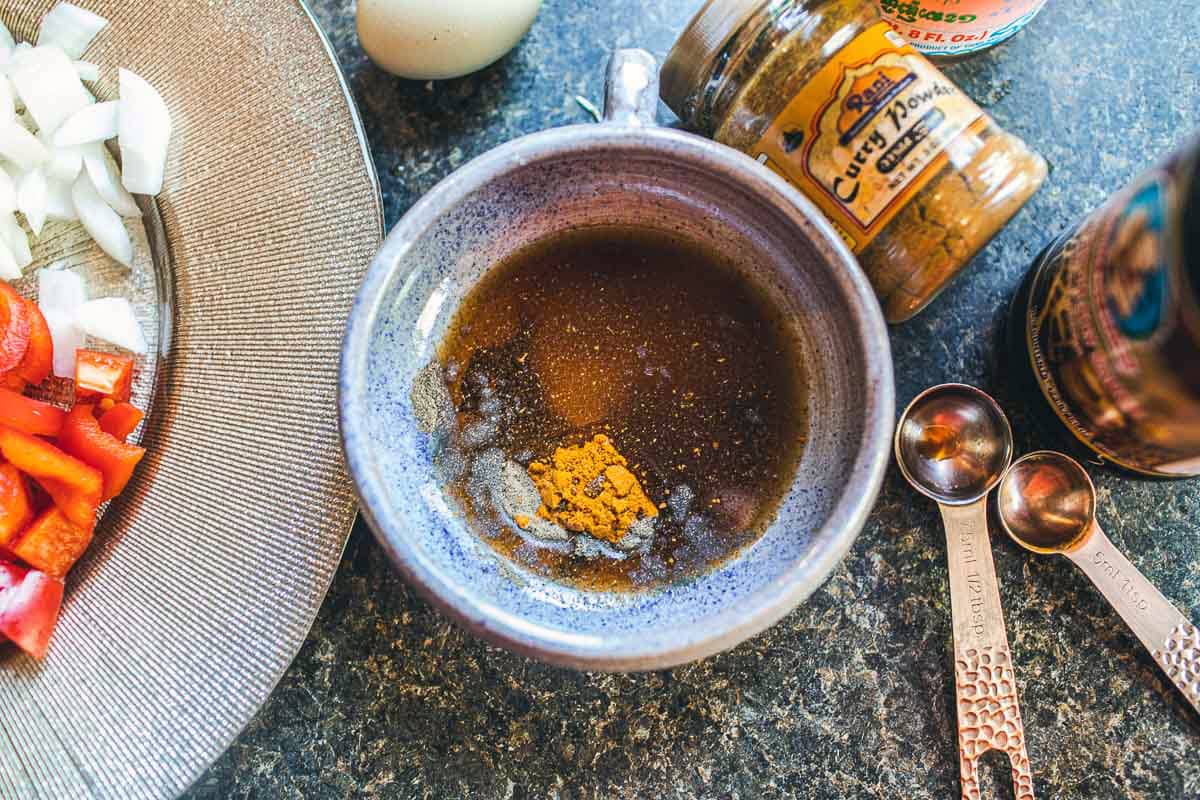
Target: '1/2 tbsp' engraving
968,555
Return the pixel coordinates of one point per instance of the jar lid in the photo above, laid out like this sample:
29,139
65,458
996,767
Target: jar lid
685,70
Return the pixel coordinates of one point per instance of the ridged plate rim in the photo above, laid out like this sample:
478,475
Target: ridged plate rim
347,525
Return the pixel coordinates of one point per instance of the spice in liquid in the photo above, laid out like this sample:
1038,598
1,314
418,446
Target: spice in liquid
680,363
588,488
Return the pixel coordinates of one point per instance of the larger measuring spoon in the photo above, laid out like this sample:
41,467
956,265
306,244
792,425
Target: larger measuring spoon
953,444
1048,505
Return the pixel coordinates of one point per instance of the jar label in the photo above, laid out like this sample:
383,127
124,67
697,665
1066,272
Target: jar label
1105,327
955,27
867,132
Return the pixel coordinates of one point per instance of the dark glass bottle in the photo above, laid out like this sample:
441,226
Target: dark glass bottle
1108,323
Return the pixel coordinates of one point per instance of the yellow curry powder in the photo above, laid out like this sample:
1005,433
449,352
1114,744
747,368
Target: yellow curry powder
588,489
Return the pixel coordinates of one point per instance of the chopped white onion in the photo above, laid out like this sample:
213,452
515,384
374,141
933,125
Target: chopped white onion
144,129
59,204
102,171
64,164
93,123
9,270
8,193
60,290
17,240
8,100
88,71
70,27
47,82
60,295
32,199
67,337
101,222
113,320
21,147
6,42
52,133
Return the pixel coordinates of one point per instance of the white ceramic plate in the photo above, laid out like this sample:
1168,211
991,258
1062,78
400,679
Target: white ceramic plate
205,576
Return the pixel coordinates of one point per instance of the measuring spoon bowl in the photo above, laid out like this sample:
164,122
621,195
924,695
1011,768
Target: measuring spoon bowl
1047,502
953,443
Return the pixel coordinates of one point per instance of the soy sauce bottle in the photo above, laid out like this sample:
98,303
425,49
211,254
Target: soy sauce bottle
1107,322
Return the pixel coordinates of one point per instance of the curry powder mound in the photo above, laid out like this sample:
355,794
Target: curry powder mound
589,489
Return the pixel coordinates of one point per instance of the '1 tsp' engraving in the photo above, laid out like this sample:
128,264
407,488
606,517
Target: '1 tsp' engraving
1124,581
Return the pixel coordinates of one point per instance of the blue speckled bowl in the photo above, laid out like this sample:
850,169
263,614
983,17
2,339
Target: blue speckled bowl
615,174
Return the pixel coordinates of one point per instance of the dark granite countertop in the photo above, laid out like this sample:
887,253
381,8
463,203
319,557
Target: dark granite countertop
851,694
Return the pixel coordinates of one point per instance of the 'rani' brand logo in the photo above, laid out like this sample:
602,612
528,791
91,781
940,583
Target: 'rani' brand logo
870,94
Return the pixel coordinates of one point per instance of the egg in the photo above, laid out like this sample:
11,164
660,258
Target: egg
435,39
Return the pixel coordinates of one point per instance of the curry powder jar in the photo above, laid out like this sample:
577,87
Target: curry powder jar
912,174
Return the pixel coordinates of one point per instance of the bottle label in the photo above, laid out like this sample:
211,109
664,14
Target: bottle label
955,27
1106,326
867,132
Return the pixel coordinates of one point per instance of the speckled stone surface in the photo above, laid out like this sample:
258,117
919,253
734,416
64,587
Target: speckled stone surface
851,695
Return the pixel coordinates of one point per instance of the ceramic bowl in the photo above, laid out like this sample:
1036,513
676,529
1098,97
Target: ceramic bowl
618,173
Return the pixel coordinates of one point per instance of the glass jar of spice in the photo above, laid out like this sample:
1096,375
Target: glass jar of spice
914,176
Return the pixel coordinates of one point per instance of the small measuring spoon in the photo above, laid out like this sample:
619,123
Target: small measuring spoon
953,444
1048,505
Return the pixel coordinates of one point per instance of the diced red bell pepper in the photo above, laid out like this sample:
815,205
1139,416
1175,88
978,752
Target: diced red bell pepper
29,606
14,327
39,356
29,415
16,508
83,438
52,543
102,375
79,506
120,420
74,486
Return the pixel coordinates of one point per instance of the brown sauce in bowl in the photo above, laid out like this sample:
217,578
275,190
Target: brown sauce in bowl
679,359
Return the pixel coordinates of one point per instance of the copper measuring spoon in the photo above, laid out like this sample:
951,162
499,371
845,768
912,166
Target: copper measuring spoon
953,443
1048,505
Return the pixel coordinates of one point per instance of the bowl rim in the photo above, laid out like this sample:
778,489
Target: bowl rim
695,638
